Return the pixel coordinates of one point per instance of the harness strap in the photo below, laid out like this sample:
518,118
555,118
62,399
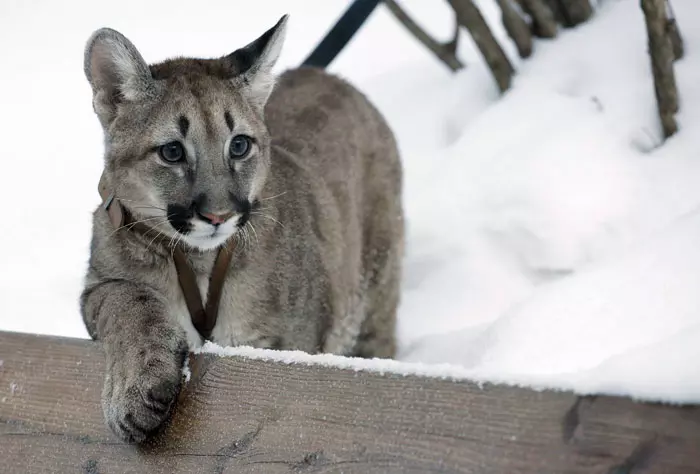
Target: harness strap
203,318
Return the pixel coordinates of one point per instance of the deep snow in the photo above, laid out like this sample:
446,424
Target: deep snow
551,241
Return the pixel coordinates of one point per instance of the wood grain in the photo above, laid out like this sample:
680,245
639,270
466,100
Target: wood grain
252,416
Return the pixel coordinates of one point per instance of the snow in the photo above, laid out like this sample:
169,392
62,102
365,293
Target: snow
552,237
186,371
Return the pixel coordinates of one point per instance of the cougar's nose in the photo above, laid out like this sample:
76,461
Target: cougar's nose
214,219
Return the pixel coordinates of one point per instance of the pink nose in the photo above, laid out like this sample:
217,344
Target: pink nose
216,219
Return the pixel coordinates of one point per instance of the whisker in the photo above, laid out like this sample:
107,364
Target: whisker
132,224
158,233
172,250
252,227
144,206
249,241
273,197
268,217
174,238
244,237
148,207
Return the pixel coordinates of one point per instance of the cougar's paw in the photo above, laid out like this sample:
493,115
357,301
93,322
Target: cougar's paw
137,402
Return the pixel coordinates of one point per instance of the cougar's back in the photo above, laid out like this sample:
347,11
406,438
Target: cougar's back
331,130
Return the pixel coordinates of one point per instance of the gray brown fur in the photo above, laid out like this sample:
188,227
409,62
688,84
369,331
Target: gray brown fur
317,266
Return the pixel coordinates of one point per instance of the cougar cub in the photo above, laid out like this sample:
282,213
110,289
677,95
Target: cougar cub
299,176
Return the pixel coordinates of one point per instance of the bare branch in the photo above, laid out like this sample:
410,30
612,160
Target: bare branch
575,12
543,21
445,52
470,18
516,27
559,14
454,42
662,57
673,32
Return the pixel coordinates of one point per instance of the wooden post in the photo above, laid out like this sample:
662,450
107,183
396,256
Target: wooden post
662,57
446,52
470,18
516,27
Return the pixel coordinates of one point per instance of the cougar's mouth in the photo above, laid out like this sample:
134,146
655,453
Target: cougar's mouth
206,230
206,236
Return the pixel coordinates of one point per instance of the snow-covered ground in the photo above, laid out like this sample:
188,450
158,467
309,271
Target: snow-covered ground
551,240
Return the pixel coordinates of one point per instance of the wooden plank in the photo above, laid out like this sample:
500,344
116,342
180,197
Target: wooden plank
254,416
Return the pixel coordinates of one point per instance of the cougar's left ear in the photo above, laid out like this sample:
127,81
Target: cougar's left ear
253,63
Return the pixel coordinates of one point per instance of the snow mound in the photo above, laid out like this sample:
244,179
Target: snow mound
553,240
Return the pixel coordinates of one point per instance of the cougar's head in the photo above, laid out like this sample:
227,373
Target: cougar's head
186,147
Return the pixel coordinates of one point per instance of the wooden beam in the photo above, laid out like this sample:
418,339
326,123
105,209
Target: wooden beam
258,416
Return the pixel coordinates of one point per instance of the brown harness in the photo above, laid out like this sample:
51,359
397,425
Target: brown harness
203,318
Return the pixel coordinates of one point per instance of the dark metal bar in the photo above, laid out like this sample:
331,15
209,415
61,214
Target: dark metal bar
341,33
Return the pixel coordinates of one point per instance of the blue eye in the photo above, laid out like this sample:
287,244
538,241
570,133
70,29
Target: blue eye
239,147
172,152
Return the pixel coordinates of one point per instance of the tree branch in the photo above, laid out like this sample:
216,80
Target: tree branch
673,32
544,24
576,12
445,52
516,27
470,18
662,57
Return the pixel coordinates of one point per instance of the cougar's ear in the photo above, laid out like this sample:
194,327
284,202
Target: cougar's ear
116,71
253,63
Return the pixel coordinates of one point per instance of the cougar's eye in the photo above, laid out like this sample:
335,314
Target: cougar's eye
172,152
239,147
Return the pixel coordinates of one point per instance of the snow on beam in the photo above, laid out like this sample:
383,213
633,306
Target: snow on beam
254,415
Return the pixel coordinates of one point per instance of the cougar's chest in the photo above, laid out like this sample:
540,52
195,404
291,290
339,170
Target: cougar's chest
233,325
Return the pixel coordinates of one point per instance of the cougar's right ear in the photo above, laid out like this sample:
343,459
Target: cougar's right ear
117,73
252,64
